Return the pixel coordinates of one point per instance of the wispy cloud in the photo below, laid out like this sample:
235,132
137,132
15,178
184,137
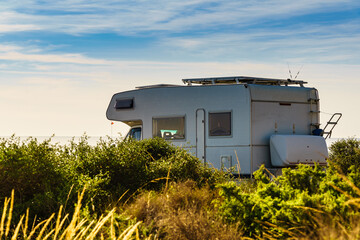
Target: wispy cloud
51,58
133,17
307,43
196,28
17,27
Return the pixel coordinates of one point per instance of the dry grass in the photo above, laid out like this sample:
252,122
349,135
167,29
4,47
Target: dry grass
183,211
336,230
63,228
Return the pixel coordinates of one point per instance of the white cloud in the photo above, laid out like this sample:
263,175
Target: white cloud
132,17
310,43
8,48
18,27
51,58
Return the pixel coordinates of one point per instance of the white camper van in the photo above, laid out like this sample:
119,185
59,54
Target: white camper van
230,121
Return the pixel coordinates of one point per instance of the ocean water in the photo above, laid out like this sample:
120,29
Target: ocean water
92,140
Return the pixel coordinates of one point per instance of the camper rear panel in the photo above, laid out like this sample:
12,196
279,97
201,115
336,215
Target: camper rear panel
280,110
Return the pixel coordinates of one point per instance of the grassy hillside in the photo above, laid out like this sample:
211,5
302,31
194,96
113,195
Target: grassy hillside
152,190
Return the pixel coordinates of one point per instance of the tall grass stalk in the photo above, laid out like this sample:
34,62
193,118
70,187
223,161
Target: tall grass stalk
17,229
129,232
76,229
6,215
6,202
10,213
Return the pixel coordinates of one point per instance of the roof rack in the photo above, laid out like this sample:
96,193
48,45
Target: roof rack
243,80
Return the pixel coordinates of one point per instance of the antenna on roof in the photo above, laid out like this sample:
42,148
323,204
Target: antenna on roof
289,71
298,71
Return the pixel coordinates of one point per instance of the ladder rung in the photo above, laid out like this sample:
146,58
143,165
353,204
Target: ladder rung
314,111
332,123
326,132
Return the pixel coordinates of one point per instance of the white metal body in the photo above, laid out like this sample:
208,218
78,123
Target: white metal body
257,113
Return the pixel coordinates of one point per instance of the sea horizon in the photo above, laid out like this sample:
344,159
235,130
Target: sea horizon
93,140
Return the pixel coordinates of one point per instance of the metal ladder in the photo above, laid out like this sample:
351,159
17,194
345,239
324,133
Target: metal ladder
331,124
314,109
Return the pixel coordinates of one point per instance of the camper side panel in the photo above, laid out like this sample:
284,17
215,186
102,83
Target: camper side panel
220,150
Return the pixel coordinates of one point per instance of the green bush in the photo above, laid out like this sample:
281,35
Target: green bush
46,175
290,205
112,168
34,171
345,153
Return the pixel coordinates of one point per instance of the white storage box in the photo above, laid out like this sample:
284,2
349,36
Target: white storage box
288,150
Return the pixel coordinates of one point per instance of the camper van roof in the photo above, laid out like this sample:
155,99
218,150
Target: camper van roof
242,80
157,85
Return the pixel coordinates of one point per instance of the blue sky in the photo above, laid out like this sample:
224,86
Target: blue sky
61,61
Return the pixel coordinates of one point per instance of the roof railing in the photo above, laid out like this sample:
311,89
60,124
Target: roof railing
243,80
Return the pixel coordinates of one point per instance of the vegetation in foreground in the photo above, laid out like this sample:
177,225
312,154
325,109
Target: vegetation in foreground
152,190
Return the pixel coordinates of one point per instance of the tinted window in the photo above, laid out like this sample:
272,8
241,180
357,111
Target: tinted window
220,124
171,128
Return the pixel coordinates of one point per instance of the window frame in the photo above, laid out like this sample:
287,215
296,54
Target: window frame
231,124
172,116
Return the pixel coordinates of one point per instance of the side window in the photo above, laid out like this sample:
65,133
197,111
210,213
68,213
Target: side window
170,128
134,133
220,124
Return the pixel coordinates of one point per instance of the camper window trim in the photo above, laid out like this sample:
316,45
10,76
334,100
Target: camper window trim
231,124
171,117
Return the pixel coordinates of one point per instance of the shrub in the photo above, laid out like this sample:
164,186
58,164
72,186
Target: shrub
344,154
46,175
112,168
290,205
34,171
